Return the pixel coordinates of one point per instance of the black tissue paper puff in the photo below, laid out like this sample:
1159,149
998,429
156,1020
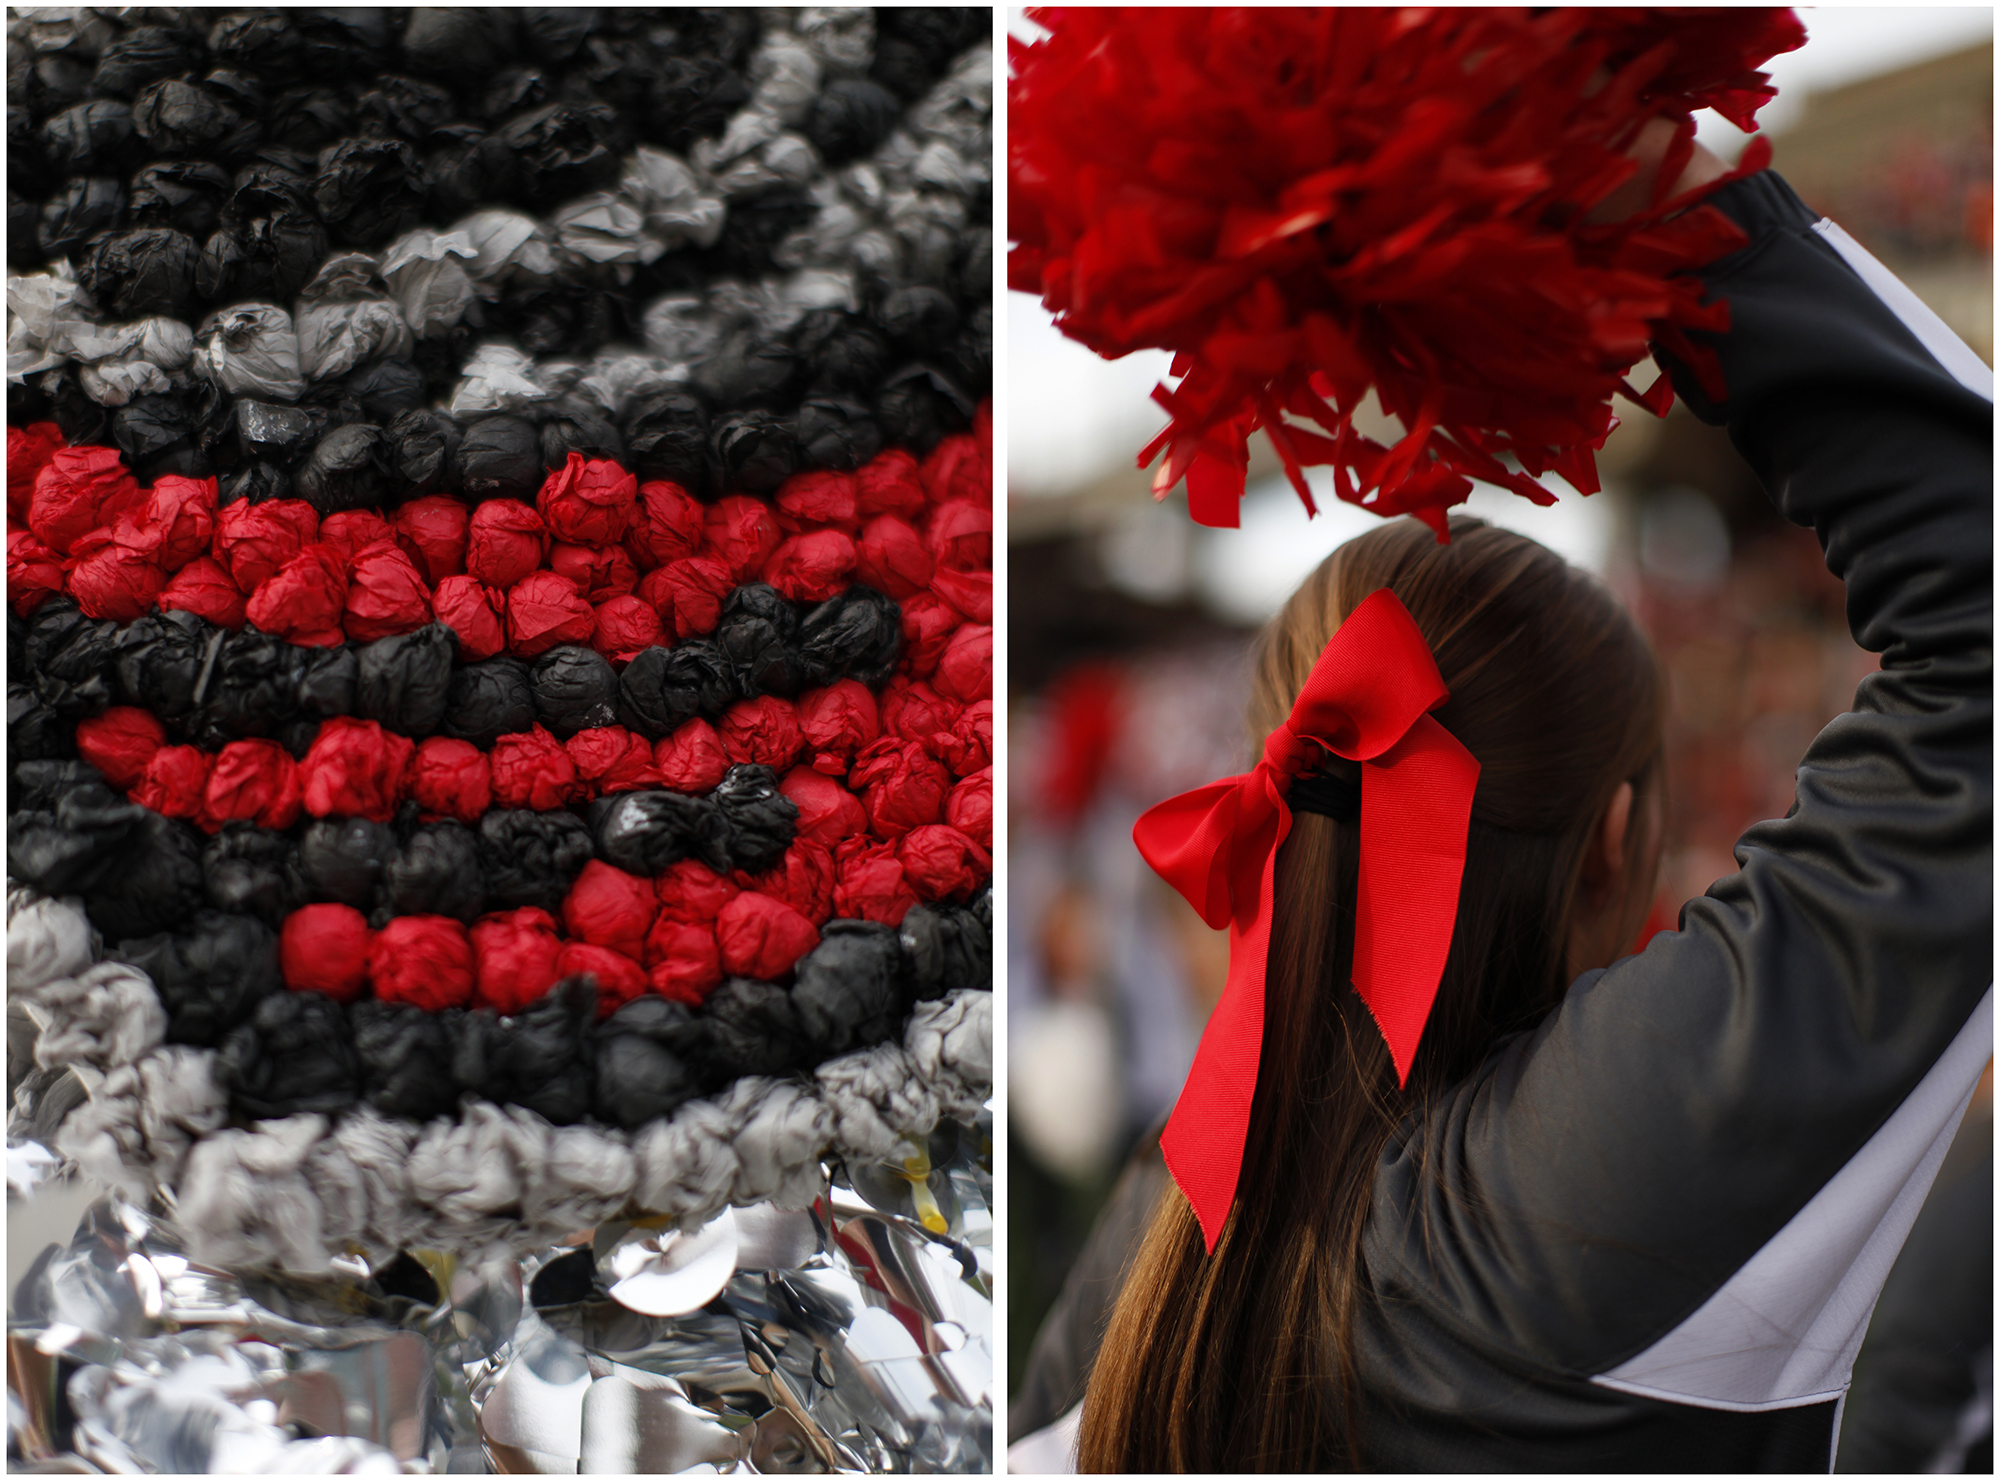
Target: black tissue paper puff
404,682
378,391
562,151
256,481
918,406
82,420
342,859
142,55
327,681
92,138
265,42
856,635
34,731
468,168
552,34
754,1029
701,672
249,870
70,659
186,195
844,354
349,469
84,207
644,832
488,700
915,45
919,319
500,458
156,433
760,821
836,434
252,689
161,658
139,273
945,948
648,702
532,858
155,884
750,369
668,436
850,119
435,870
693,100
404,1056
263,256
40,783
754,227
210,973
407,108
370,190
651,1057
758,633
423,454
849,989
292,1057
756,451
539,1058
458,46
78,843
283,436
575,689
183,120
577,428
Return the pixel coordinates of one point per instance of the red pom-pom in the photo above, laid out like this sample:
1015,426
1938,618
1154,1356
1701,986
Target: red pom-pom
588,501
968,807
763,731
600,572
969,592
450,779
889,484
1304,204
204,588
669,522
740,532
121,743
174,524
608,907
928,624
619,978
467,608
354,769
691,759
545,610
78,490
869,883
965,668
609,758
253,540
828,812
252,780
531,769
354,530
957,469
505,540
969,747
808,501
941,863
960,536
176,782
811,568
423,960
912,710
113,581
690,891
683,961
803,879
761,937
836,722
302,600
34,572
514,958
29,449
892,557
688,594
901,786
324,948
386,594
434,532
625,627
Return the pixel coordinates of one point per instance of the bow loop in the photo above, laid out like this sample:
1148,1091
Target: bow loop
1368,698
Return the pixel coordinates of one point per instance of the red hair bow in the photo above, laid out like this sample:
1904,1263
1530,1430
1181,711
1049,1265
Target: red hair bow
1368,699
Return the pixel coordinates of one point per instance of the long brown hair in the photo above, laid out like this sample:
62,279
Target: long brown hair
1244,1360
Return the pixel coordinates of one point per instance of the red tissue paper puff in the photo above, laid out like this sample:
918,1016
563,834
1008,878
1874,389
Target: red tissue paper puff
505,541
889,484
255,781
351,530
545,610
204,587
600,572
928,624
34,572
740,532
450,779
588,501
688,594
968,807
836,722
811,568
1307,204
303,599
609,758
121,743
869,883
828,812
892,557
468,609
325,948
78,490
691,759
532,770
424,960
941,863
624,627
29,449
174,524
761,937
958,468
970,593
912,710
254,540
176,782
608,907
960,536
386,594
901,786
693,893
355,769
619,978
820,498
969,747
965,668
434,532
802,879
682,960
113,581
763,732
667,525
514,958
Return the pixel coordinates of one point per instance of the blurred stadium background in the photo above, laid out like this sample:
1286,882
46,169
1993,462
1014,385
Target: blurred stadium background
1129,626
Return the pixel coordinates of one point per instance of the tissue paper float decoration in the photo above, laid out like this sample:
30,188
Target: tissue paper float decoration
1307,204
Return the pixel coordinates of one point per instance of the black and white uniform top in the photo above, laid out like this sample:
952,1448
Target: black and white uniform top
1649,1233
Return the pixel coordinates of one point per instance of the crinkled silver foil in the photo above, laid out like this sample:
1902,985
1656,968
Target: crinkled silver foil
853,1336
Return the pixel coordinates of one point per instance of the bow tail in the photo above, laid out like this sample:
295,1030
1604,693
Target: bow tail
1416,809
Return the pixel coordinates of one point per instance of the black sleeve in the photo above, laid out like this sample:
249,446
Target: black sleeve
1770,1077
